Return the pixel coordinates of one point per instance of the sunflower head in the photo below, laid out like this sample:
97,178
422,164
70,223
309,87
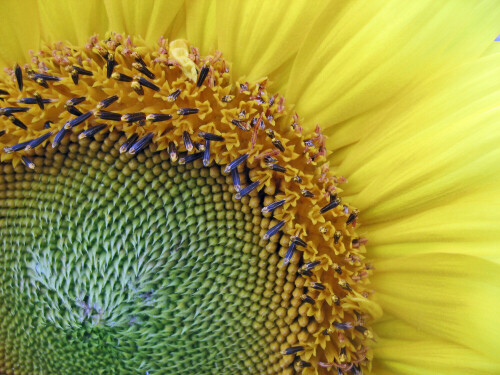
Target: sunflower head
161,217
129,246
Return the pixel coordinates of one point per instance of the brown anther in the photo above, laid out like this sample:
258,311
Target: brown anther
330,206
143,69
292,350
128,143
342,325
276,167
121,77
270,133
357,242
19,76
188,143
337,268
270,160
173,96
203,74
277,143
307,299
309,143
337,236
187,111
317,286
352,217
344,285
299,241
39,99
244,87
241,124
309,266
17,122
133,117
137,88
138,58
199,146
365,331
144,82
172,151
74,76
327,331
27,162
42,82
110,63
301,365
306,193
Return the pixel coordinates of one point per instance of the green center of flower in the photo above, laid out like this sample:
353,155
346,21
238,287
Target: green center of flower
133,263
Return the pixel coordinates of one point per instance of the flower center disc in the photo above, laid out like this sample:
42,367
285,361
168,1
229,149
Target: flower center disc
136,263
157,218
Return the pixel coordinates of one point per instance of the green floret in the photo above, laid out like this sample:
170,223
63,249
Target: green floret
132,265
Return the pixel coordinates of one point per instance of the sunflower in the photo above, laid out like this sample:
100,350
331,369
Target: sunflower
169,204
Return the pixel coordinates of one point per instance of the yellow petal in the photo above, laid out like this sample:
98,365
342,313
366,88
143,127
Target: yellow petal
402,348
258,37
360,54
427,174
430,357
17,39
73,20
450,296
178,28
201,25
467,225
389,328
147,18
493,48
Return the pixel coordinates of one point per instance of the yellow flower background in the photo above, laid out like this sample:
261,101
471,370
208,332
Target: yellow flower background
408,94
